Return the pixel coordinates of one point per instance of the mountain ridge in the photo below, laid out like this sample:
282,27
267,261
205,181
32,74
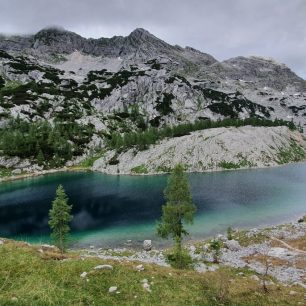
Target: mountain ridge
123,84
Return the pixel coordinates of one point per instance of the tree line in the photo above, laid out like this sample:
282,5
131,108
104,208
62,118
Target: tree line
143,139
48,144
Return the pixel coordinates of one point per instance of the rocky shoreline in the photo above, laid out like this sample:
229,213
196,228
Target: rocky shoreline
41,173
281,248
86,169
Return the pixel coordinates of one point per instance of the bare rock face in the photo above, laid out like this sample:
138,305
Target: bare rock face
213,149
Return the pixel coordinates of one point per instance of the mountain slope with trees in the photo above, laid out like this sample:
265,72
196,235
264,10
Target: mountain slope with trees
83,92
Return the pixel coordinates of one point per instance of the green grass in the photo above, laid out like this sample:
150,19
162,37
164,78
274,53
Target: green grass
141,169
29,277
5,172
89,161
228,165
162,168
245,240
294,153
243,163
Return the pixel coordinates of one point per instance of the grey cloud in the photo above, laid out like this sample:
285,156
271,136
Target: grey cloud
223,28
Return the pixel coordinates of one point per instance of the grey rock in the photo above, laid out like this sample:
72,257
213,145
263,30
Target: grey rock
16,171
147,245
147,287
232,245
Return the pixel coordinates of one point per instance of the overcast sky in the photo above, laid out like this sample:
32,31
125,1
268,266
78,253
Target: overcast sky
222,28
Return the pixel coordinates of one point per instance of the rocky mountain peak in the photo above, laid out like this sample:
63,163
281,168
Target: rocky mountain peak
54,35
140,32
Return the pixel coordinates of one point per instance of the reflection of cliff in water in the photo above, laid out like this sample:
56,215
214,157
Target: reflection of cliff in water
94,206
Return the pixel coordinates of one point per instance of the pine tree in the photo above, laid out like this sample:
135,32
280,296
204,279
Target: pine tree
40,157
59,218
178,209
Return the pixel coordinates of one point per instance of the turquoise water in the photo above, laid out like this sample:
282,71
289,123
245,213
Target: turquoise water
108,210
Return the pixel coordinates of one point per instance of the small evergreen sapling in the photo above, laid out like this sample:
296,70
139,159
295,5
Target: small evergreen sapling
59,218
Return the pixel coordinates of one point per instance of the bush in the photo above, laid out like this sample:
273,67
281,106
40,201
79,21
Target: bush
229,233
179,260
141,169
215,246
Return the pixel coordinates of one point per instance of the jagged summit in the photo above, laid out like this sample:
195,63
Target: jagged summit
139,44
55,28
140,32
142,46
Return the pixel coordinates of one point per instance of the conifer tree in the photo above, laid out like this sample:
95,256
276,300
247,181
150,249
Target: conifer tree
179,209
59,218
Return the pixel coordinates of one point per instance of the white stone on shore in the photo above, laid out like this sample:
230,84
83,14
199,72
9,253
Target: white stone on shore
232,245
147,245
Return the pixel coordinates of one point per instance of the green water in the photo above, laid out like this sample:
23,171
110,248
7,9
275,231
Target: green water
108,210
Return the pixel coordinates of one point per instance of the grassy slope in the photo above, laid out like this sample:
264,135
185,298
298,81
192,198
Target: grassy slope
36,278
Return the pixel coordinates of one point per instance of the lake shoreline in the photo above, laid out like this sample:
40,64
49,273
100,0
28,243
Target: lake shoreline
42,173
88,169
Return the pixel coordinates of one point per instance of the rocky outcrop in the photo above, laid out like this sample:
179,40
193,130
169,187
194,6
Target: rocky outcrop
213,149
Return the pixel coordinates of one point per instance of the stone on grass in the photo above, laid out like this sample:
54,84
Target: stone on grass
83,275
292,292
103,267
139,268
255,278
146,286
112,289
